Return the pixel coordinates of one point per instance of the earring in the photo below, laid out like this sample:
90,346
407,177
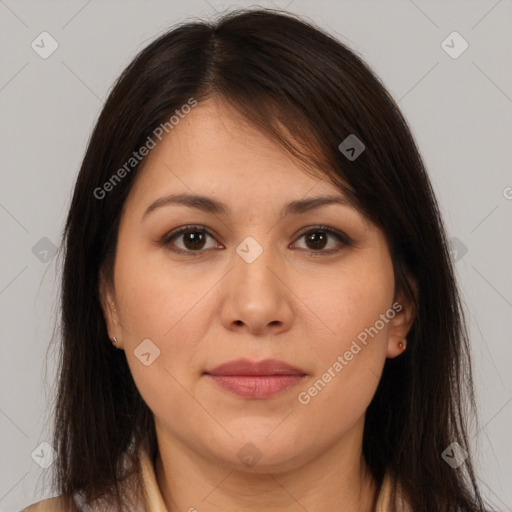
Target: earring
402,344
114,339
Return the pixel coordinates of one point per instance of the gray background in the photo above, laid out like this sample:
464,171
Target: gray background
459,111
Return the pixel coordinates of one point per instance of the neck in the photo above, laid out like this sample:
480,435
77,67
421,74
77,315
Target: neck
335,479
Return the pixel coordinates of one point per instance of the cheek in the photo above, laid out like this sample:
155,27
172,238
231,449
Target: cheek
167,310
349,365
157,298
354,309
351,299
170,306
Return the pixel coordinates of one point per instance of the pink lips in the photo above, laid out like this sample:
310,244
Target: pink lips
256,379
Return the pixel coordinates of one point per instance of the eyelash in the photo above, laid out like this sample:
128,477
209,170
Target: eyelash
341,237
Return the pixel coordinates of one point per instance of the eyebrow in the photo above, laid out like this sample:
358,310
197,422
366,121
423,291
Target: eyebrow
210,205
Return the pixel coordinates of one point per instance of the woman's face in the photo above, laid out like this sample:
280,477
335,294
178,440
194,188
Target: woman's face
253,279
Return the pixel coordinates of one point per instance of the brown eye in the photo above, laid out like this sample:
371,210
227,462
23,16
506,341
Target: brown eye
189,239
318,238
194,240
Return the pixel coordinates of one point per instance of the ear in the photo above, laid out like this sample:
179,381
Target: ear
400,325
110,314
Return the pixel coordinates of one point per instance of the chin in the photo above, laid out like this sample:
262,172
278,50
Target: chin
255,451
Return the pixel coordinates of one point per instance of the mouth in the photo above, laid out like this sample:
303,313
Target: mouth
252,379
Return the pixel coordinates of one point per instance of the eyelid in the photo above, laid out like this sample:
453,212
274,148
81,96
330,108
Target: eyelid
344,239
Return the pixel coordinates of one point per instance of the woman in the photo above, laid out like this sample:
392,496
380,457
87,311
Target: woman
254,231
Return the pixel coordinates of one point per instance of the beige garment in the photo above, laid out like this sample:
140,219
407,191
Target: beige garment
152,500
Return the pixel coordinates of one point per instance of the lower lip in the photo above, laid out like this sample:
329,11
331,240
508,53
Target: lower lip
257,386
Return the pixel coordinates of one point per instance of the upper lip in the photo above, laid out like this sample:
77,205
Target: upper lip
247,367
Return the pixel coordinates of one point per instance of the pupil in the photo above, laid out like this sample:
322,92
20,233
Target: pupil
317,237
193,241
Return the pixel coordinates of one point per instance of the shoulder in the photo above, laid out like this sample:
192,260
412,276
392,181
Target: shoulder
48,505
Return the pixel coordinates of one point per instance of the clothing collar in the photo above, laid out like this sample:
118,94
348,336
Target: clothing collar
153,500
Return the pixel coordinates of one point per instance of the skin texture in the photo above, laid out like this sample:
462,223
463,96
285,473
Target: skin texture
289,304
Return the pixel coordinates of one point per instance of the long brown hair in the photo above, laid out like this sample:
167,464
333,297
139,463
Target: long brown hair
309,92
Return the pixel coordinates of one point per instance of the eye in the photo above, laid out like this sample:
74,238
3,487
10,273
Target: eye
317,239
192,238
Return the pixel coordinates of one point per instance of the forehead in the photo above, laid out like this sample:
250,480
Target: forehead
213,149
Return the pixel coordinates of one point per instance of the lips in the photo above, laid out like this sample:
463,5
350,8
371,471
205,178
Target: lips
251,379
246,367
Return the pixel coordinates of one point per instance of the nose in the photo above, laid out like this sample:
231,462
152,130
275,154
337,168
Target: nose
257,297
